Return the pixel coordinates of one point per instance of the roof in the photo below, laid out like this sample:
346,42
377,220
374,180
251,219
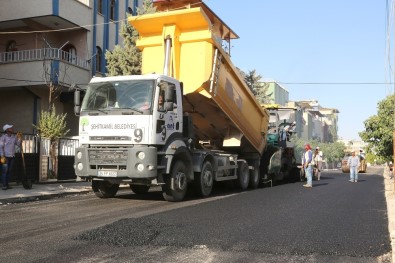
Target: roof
224,30
331,109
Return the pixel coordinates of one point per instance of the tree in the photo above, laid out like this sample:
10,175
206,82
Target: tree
378,131
257,87
333,152
126,59
52,127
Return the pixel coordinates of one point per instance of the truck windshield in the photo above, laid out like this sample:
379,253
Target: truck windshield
126,94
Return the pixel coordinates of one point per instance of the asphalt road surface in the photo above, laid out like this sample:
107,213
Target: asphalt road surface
335,221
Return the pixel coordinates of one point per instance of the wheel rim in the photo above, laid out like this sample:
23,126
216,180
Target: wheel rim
207,179
180,181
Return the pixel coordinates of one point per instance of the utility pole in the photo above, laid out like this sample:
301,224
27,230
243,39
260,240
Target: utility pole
393,132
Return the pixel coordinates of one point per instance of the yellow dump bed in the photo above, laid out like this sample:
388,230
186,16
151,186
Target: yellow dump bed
222,106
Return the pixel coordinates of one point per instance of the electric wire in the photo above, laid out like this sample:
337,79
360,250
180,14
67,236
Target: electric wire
279,82
390,9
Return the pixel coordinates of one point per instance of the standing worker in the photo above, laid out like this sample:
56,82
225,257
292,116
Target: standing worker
353,162
7,149
308,165
318,161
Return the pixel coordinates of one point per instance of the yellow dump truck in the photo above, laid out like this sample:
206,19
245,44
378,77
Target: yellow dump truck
195,124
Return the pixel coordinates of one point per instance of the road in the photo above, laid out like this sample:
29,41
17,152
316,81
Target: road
335,221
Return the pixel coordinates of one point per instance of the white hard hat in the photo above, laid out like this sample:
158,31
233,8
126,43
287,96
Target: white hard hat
7,126
317,148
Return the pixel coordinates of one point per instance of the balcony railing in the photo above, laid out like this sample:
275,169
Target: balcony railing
43,54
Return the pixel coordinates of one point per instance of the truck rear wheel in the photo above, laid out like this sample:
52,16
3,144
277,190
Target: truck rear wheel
175,187
104,189
139,189
204,180
243,176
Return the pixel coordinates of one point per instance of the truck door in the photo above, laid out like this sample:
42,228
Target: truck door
169,112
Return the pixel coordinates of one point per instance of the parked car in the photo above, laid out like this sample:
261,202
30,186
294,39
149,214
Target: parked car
346,169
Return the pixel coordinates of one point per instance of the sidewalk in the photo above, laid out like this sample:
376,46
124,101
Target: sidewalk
42,191
390,198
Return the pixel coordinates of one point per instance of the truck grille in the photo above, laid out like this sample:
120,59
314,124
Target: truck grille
110,138
108,156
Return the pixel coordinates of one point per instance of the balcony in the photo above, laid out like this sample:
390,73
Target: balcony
28,66
43,54
47,13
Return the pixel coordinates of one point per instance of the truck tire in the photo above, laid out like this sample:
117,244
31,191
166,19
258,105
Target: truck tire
204,180
243,176
255,177
175,187
139,189
104,189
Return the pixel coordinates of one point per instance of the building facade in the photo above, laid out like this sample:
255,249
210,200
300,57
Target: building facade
278,94
317,123
47,46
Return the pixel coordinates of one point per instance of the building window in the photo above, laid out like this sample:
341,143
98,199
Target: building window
112,9
100,6
69,53
99,57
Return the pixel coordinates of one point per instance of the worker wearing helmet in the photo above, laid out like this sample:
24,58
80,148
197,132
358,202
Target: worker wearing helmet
308,165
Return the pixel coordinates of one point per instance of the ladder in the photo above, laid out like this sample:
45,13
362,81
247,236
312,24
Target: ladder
215,72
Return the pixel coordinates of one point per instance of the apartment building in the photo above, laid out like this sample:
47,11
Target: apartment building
52,45
318,123
278,94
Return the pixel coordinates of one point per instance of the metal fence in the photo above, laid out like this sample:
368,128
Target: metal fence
37,161
65,146
30,144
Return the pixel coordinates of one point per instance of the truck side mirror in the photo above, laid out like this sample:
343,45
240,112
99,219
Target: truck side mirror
77,102
170,93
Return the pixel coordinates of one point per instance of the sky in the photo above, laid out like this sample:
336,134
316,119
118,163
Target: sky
336,52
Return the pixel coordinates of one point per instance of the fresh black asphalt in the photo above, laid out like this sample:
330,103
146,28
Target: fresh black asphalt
335,217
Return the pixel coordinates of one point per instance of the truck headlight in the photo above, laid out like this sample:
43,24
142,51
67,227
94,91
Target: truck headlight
80,166
79,155
140,167
141,155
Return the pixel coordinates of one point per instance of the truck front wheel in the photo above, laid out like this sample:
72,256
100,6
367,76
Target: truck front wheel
243,176
175,187
104,189
204,180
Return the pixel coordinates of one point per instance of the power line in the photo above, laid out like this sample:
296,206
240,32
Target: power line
332,83
60,30
21,80
288,83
